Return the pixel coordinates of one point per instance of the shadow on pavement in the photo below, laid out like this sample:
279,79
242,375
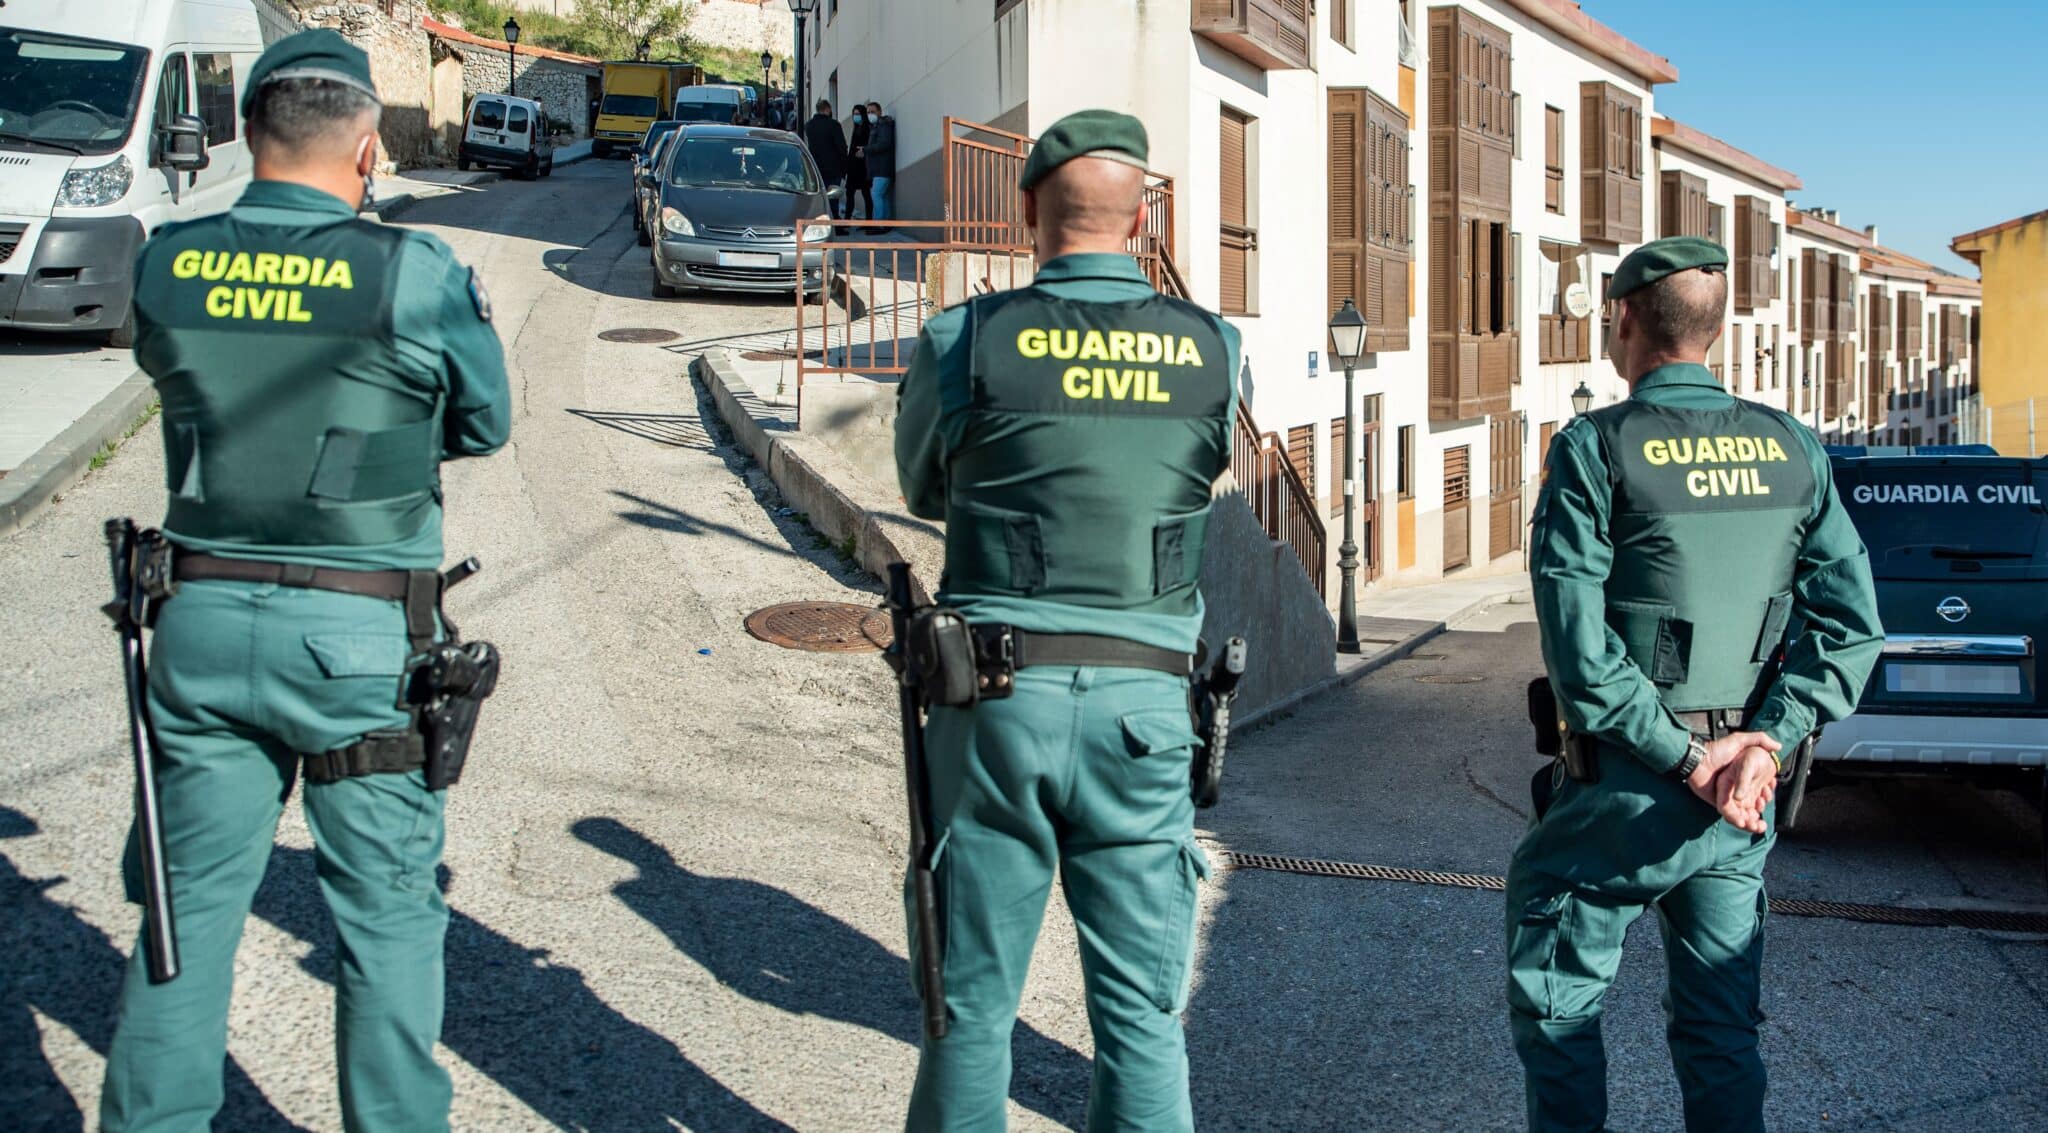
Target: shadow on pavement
677,430
662,517
777,949
533,1026
67,970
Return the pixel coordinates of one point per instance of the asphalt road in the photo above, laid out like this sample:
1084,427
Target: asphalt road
673,860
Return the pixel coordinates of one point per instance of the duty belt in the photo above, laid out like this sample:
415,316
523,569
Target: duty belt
1712,723
418,590
1024,649
374,754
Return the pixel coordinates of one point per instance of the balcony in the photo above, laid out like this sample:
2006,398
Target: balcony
1272,35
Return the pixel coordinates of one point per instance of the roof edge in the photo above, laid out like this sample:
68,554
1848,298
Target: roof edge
1825,230
2005,226
1567,19
1702,144
463,35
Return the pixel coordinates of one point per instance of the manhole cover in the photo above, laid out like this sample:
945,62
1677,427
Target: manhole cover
638,334
769,355
1451,679
822,627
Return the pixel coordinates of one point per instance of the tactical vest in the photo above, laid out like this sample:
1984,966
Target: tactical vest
1093,434
289,418
1710,508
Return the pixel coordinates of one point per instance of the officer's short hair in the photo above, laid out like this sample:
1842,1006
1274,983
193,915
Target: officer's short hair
295,115
1684,309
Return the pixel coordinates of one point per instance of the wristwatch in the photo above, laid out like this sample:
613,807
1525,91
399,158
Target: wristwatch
1695,751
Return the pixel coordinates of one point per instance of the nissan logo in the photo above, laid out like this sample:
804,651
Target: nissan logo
1952,609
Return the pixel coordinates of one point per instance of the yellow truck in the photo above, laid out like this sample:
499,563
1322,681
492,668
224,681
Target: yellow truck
636,95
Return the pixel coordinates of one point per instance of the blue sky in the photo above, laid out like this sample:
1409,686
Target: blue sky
1921,118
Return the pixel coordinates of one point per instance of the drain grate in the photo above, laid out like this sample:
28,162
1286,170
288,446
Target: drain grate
822,627
1987,920
648,335
1451,679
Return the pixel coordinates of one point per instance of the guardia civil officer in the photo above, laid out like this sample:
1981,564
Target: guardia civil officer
1068,434
1677,535
314,369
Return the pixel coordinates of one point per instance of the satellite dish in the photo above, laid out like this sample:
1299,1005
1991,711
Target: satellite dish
1578,301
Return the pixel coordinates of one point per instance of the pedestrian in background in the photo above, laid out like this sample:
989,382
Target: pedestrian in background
881,161
305,500
1677,536
828,148
857,165
1075,521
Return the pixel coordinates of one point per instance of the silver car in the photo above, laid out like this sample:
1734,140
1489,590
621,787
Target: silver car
730,200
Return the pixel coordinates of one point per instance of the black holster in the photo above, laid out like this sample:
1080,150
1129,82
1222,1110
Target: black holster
1555,738
454,680
1211,699
954,664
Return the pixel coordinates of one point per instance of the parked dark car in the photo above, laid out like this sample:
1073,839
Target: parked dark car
646,198
730,202
1958,542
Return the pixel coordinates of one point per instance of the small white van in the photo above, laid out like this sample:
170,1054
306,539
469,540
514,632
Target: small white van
116,116
723,104
503,132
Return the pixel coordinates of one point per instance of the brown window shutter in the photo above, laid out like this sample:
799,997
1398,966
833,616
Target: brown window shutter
1553,159
1235,244
1340,21
1339,455
1347,204
1596,133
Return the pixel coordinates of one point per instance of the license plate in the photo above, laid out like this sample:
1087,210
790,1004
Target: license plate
749,260
1966,680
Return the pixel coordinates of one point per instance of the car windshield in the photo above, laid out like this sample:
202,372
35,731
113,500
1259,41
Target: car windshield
1920,519
61,93
742,163
629,105
720,112
655,133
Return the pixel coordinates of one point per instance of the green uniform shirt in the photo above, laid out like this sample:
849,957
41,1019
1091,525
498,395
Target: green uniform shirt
444,341
1571,556
932,413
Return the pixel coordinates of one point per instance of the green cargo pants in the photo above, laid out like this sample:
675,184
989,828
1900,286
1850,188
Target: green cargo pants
1584,872
243,678
1084,772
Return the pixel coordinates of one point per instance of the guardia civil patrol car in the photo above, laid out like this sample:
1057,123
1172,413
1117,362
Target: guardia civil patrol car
1958,541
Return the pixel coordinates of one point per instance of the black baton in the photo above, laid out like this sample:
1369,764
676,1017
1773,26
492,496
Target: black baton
129,610
923,882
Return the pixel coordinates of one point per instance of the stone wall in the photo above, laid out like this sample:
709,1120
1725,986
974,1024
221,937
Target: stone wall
400,62
563,88
747,25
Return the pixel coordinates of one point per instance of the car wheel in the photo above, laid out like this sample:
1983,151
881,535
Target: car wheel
462,163
531,170
123,337
547,168
661,288
646,235
600,150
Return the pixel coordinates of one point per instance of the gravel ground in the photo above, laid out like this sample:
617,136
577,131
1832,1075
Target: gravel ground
673,860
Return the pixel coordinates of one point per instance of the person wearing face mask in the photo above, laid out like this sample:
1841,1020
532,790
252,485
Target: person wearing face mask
857,182
315,369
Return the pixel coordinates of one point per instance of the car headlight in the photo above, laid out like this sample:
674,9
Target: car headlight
100,185
676,223
816,232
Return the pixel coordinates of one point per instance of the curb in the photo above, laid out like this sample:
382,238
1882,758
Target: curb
62,461
835,498
1370,665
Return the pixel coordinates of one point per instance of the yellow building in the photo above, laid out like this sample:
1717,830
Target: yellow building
2013,336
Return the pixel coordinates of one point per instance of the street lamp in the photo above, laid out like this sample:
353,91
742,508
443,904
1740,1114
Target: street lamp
1347,342
1582,398
803,10
512,55
643,49
767,67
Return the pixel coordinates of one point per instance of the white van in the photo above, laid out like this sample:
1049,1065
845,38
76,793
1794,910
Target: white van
503,132
720,103
116,116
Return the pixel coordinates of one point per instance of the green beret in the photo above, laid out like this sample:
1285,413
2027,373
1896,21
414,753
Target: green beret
1086,133
317,53
1659,258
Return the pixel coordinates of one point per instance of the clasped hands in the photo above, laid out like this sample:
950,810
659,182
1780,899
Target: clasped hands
1738,776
